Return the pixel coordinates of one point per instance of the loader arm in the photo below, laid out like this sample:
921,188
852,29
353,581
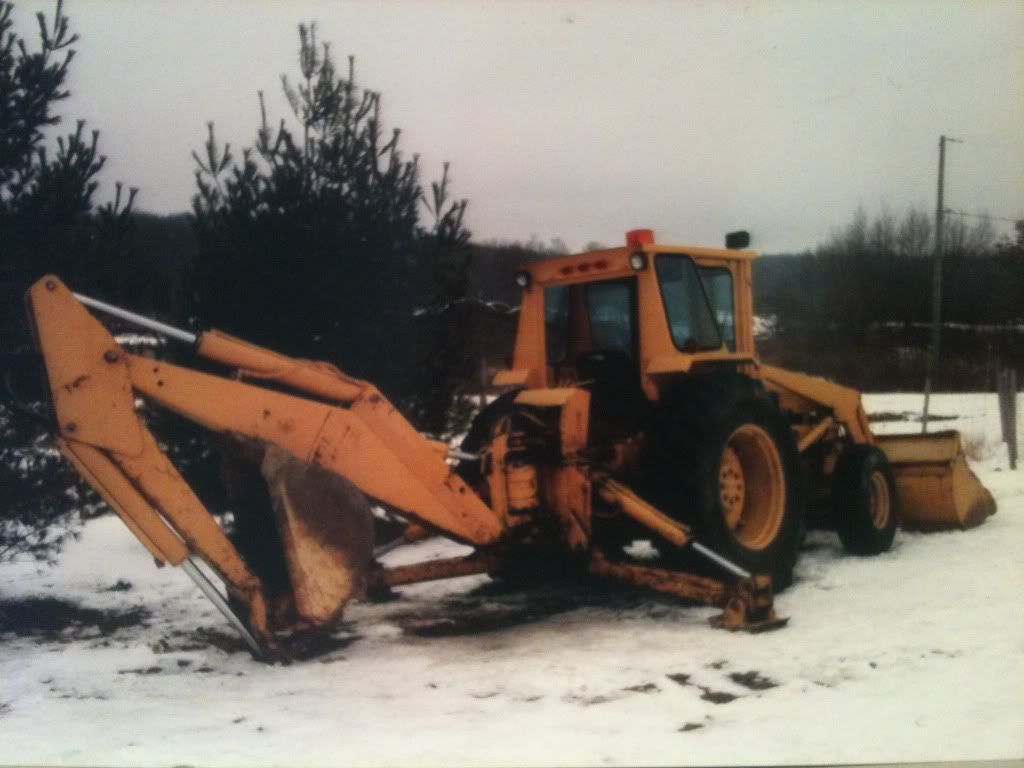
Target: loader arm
936,488
330,420
844,402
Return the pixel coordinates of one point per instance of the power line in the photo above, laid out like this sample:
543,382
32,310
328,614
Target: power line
984,216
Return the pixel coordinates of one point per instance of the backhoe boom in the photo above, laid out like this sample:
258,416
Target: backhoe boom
93,383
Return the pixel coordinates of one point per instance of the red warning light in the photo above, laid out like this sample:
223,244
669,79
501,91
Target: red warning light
638,237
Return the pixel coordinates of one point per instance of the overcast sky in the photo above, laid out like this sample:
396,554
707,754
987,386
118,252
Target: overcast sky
582,120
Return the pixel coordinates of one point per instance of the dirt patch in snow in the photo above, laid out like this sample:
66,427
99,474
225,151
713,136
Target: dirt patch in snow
716,697
197,640
590,701
485,611
299,647
707,694
118,586
500,605
141,671
48,618
644,688
313,645
753,680
474,621
883,416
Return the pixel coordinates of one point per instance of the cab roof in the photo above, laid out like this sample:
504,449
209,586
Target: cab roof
614,262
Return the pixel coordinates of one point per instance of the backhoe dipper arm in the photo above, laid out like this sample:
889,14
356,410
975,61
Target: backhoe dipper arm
103,437
93,384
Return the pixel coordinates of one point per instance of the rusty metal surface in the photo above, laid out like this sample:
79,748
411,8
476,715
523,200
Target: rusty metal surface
570,499
749,607
685,585
432,570
327,533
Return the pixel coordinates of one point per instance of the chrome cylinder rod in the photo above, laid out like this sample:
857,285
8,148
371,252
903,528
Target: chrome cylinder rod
222,605
140,320
714,557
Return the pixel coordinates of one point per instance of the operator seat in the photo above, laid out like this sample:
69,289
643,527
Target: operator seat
618,405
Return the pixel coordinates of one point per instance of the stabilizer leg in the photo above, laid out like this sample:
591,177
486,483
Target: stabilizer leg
747,604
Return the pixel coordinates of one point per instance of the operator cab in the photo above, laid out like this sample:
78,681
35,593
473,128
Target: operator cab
623,322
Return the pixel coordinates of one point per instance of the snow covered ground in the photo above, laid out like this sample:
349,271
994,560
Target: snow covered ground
915,655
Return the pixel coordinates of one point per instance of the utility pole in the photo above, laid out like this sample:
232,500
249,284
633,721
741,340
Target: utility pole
932,364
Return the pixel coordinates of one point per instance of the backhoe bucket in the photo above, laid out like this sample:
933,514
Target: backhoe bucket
936,488
312,547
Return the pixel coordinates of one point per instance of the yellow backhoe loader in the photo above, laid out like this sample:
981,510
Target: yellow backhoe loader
635,408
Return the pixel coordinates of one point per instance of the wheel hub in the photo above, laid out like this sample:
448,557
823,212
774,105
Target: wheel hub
751,487
731,488
880,507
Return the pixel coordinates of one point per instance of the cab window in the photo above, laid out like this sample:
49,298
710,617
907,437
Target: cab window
556,322
610,310
718,284
690,319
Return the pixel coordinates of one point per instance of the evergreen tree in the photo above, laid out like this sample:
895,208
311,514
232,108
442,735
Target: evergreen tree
312,243
48,224
46,197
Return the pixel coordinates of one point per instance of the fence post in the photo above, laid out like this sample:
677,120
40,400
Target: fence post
1008,411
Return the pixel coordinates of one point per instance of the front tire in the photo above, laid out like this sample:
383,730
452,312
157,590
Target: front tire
864,500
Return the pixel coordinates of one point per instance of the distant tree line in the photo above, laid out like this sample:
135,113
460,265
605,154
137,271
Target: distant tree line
494,264
857,308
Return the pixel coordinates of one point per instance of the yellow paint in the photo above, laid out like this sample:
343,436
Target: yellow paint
85,369
659,356
934,485
644,513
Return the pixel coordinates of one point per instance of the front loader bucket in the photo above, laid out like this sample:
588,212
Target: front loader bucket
936,488
326,536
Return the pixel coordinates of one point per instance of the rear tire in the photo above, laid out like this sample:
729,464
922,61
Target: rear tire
864,500
734,474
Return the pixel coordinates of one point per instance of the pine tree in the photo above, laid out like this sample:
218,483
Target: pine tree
311,241
48,224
